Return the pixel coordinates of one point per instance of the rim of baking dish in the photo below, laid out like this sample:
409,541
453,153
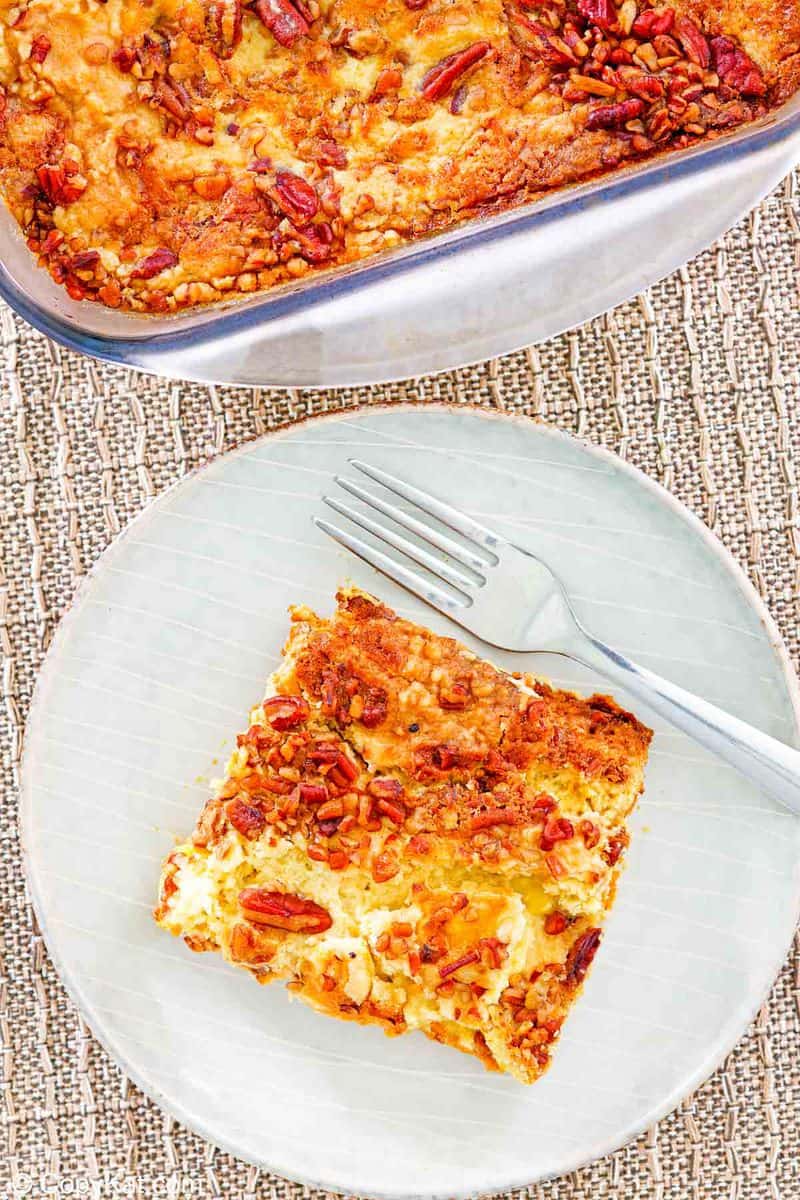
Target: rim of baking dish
729,1035
207,324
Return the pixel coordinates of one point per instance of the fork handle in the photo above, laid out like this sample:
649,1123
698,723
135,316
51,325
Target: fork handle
771,765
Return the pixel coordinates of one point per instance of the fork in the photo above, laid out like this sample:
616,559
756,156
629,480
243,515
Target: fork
510,598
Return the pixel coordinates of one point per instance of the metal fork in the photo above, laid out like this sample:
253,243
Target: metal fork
511,599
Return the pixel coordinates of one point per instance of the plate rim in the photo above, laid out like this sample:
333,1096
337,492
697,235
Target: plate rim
730,1034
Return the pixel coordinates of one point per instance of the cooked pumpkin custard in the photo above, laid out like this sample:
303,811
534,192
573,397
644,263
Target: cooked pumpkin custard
412,838
160,154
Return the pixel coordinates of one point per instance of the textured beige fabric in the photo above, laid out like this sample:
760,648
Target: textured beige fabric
696,382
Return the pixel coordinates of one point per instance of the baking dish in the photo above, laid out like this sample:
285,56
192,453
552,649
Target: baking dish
484,288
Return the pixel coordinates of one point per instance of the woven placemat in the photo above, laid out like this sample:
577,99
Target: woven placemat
696,382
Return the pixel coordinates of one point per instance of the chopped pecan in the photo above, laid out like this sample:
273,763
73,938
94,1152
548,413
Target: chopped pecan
589,832
330,154
695,45
601,13
84,260
544,803
653,22
123,59
466,960
580,956
384,866
285,712
555,923
224,26
383,787
312,793
376,707
342,771
295,197
614,116
614,848
285,21
439,79
59,185
283,910
392,809
40,48
736,68
456,695
556,829
173,99
248,820
541,43
160,260
323,752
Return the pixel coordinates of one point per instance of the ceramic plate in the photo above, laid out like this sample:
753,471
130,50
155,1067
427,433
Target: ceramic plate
150,677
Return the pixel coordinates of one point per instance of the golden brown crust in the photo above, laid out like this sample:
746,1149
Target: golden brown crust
449,890
166,153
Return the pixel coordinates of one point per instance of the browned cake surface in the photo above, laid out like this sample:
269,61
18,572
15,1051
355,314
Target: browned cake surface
165,153
412,838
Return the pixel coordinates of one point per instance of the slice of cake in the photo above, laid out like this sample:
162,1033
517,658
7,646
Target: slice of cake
410,837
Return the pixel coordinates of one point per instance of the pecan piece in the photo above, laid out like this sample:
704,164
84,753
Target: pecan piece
614,848
456,695
295,197
40,48
556,829
589,832
160,260
330,154
392,809
342,771
541,43
376,706
384,866
614,116
383,787
695,45
246,819
601,13
580,956
173,99
285,712
447,969
439,79
555,923
315,241
736,68
653,22
282,910
312,793
286,21
59,185
323,752
84,260
224,26
123,59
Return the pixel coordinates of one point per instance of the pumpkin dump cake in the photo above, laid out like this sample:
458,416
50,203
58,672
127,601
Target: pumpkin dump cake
166,153
414,839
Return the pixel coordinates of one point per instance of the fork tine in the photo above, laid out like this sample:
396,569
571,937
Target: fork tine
436,508
457,579
395,570
460,553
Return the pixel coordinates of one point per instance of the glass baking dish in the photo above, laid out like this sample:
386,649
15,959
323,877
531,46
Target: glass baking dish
486,287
